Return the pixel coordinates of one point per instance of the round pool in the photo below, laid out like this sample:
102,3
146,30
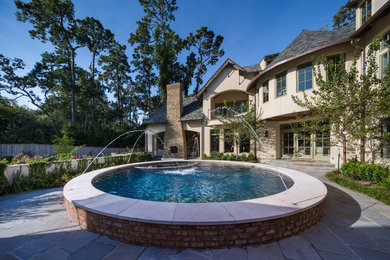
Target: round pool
198,183
195,204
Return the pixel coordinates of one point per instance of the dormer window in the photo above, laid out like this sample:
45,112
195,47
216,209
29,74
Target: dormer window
366,10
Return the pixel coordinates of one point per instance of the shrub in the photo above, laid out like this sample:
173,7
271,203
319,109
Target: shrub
231,157
38,178
243,158
386,183
365,171
215,155
225,157
251,157
204,157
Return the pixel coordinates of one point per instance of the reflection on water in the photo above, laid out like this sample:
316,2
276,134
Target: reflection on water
201,183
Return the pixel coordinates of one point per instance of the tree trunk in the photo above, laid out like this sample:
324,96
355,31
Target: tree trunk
149,101
72,72
119,101
93,111
344,149
197,85
362,149
86,121
93,90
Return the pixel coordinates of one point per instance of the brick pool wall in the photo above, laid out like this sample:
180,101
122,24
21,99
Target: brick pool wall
196,236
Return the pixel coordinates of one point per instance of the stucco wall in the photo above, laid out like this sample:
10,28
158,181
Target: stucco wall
284,105
228,86
150,131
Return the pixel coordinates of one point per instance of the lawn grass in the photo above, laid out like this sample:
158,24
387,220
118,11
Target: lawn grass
376,192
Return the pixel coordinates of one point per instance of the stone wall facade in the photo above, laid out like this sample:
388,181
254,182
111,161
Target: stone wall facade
196,236
174,139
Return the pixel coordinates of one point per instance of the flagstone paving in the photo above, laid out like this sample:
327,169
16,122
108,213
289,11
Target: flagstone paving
35,225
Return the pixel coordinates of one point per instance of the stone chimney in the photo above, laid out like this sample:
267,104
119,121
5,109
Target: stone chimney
175,142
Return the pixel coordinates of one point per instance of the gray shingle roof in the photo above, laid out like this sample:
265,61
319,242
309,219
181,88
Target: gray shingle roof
192,110
308,40
252,68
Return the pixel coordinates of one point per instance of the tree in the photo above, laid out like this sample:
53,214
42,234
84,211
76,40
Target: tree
143,63
371,98
239,123
116,71
352,102
97,39
344,16
17,123
162,43
54,20
208,52
23,86
330,101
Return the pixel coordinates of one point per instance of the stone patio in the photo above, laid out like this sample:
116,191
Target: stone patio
34,225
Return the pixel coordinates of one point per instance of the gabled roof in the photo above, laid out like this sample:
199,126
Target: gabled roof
248,69
306,43
192,110
224,65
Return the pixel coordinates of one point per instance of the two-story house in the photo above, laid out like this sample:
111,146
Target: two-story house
188,127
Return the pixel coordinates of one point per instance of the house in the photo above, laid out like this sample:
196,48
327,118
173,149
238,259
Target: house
188,127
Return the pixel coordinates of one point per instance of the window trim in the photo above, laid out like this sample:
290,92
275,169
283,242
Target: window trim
281,74
302,66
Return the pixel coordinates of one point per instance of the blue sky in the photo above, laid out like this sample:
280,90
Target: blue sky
251,28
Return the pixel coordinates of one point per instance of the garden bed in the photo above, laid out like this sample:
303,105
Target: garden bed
50,174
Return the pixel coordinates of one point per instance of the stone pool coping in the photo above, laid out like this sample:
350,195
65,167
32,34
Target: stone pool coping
306,193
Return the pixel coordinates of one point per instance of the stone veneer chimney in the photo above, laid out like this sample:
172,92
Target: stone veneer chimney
175,142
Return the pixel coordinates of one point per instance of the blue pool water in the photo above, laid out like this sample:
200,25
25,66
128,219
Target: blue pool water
200,183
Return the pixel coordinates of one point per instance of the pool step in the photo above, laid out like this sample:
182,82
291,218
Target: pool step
314,168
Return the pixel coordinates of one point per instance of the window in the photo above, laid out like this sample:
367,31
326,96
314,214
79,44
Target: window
265,92
281,84
385,41
244,145
214,140
336,63
228,142
288,143
386,138
323,143
384,63
305,77
384,54
304,143
239,106
366,10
